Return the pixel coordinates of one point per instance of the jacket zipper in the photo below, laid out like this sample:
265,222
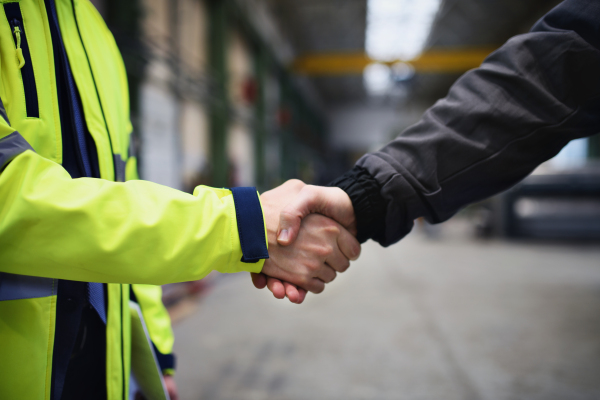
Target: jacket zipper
23,59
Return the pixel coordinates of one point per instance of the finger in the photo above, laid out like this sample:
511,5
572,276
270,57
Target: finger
338,261
259,280
295,293
315,285
307,200
326,274
276,287
302,294
348,245
292,293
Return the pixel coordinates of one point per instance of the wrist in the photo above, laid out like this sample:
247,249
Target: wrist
369,206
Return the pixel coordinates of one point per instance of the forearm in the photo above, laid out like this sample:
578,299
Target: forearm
498,122
95,230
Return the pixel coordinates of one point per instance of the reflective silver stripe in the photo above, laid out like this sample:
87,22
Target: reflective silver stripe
18,287
119,168
3,112
11,146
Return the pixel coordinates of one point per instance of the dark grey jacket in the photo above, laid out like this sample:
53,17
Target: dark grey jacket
520,108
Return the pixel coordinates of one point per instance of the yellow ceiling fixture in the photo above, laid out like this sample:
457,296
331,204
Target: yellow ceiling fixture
435,60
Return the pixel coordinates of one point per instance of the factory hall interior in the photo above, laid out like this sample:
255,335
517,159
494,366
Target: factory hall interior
462,137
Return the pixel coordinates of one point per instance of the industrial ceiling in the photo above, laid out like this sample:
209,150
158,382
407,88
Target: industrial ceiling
337,28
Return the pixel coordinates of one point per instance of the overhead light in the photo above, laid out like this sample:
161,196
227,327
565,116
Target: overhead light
398,29
402,72
377,78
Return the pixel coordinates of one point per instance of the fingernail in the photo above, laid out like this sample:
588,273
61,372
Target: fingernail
283,235
356,252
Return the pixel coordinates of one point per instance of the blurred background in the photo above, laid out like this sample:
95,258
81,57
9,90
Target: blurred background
501,302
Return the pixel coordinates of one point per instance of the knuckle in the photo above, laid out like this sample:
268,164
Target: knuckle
333,231
295,182
331,227
309,189
289,214
313,265
304,279
325,250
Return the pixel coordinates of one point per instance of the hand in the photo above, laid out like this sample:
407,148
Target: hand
280,289
324,248
171,387
331,202
273,200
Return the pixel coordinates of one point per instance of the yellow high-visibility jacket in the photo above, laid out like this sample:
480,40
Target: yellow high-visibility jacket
53,227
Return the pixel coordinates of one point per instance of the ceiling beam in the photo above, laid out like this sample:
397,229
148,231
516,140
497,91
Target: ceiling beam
435,60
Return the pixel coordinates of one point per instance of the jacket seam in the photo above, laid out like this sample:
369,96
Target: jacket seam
463,170
401,175
510,143
415,195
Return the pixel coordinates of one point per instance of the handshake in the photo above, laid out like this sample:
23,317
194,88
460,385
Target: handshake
311,235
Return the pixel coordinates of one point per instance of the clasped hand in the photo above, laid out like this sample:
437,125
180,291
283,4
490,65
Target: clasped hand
311,234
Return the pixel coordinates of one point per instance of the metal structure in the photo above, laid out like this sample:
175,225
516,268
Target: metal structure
314,51
328,37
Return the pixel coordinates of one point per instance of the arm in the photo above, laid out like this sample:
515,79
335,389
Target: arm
499,121
497,124
96,230
520,108
139,232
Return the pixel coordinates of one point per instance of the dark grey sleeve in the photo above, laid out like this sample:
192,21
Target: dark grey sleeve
520,108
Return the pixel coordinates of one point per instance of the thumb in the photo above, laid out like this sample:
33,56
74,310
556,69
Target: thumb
308,200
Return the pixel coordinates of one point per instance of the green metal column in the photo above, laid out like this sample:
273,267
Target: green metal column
260,129
219,107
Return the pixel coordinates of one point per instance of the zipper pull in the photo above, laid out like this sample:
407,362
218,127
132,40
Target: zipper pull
20,58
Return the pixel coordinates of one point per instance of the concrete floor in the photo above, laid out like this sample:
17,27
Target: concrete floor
452,318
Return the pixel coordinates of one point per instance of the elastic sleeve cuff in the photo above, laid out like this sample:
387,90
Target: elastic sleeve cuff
250,224
369,206
165,361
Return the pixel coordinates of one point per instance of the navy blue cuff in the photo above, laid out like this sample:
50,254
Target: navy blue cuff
250,224
165,361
